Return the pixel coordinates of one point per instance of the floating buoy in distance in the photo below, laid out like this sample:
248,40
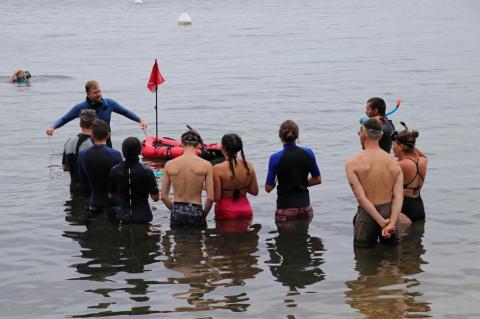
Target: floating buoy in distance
138,1
184,19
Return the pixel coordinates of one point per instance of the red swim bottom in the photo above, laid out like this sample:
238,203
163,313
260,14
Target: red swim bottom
227,208
283,214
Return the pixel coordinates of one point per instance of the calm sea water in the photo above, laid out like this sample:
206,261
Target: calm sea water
243,66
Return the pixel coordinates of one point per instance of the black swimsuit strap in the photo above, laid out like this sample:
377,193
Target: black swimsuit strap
405,186
235,189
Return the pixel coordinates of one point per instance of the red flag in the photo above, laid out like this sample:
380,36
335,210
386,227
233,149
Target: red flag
155,78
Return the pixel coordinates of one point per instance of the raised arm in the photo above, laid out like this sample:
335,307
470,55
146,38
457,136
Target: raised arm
359,193
69,116
117,108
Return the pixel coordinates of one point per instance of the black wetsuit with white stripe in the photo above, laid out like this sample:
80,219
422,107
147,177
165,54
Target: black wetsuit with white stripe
132,184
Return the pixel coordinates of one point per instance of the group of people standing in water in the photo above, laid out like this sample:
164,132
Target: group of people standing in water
387,189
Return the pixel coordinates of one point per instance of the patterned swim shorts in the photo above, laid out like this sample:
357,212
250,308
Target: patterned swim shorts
187,214
283,214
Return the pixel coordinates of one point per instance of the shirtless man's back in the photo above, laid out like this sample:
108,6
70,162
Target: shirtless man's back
377,182
188,174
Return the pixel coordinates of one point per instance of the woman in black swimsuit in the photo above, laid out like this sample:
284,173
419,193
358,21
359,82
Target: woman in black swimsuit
414,167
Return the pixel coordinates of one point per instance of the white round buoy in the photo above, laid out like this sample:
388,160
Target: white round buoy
137,1
184,19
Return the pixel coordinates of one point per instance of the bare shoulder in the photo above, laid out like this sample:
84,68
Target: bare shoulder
250,165
167,166
394,165
353,162
219,168
204,163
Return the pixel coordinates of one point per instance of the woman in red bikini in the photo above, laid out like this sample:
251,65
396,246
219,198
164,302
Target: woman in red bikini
233,179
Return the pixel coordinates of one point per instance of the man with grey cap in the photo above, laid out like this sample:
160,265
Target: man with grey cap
73,146
377,182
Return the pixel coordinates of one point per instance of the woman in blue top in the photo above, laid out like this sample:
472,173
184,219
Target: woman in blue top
102,106
291,167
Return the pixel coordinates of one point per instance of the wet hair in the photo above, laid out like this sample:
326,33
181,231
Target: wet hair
232,144
373,128
90,85
407,138
100,130
288,131
191,138
87,117
378,104
131,149
85,124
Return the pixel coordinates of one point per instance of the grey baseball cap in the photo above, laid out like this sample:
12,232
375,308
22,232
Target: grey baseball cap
88,115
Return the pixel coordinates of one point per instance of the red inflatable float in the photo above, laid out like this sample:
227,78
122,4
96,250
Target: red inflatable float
165,148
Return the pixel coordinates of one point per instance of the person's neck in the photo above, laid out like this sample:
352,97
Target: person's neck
190,150
87,131
371,144
404,155
100,142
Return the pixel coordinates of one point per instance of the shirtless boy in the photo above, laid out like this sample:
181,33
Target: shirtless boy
188,174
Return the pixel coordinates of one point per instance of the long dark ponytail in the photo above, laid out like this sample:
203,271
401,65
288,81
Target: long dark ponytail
232,144
131,149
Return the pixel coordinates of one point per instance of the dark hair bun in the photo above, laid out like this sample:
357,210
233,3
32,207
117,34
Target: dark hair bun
288,131
415,134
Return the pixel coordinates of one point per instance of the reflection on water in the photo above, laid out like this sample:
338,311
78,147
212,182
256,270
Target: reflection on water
295,256
201,259
385,287
209,258
109,249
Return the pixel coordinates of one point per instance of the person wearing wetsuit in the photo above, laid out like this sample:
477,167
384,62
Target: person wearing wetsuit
94,166
73,146
232,180
414,168
376,108
292,166
102,106
131,183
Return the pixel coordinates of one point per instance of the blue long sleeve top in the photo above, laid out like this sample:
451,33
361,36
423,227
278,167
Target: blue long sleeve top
103,109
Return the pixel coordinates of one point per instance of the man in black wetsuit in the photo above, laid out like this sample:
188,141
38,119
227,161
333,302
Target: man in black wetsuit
376,108
94,165
73,146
